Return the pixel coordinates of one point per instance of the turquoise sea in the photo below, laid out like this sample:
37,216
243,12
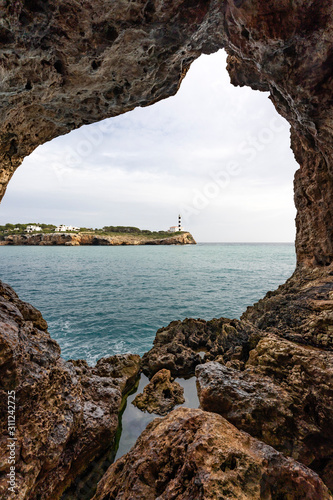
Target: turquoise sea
100,301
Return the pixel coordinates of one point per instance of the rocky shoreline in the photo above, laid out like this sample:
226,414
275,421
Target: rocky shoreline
66,412
80,239
265,426
267,397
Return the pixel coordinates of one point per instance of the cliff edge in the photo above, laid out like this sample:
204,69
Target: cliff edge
78,239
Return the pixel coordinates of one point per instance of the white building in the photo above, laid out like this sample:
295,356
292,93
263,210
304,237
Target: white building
62,228
32,228
175,229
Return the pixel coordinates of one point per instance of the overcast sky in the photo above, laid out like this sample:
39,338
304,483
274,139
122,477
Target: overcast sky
217,154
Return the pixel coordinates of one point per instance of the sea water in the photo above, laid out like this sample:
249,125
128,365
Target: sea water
104,300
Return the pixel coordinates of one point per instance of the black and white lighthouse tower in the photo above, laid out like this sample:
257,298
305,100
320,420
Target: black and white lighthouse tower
175,229
180,223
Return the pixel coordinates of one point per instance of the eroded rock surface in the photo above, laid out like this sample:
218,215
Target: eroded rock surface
75,239
192,454
66,412
268,377
182,345
286,48
300,310
65,64
284,397
161,395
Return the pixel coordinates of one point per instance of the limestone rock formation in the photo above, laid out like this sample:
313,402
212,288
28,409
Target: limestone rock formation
272,375
76,239
286,48
192,454
284,397
161,395
66,412
182,345
65,64
300,310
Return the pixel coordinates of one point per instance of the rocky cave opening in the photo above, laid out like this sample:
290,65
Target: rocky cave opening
62,69
248,164
213,152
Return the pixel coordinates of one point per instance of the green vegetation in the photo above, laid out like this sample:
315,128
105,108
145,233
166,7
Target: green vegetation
122,229
21,228
135,231
9,229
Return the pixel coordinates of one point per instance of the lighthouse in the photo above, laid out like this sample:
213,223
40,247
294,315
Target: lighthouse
175,229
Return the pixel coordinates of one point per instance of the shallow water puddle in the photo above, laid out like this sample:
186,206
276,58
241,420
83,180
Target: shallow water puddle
132,422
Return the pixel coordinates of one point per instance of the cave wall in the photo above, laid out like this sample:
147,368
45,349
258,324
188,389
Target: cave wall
286,47
67,63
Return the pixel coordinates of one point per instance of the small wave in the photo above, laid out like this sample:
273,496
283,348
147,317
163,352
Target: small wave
108,306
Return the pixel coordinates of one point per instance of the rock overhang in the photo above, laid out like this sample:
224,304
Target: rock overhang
65,64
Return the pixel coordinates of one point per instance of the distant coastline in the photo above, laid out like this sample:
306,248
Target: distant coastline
92,238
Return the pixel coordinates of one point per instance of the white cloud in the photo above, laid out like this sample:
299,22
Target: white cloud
141,168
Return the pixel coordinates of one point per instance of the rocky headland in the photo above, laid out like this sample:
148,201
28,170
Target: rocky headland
78,239
264,429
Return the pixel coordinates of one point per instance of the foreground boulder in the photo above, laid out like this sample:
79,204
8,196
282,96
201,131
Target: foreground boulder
161,395
192,454
66,412
270,374
284,397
